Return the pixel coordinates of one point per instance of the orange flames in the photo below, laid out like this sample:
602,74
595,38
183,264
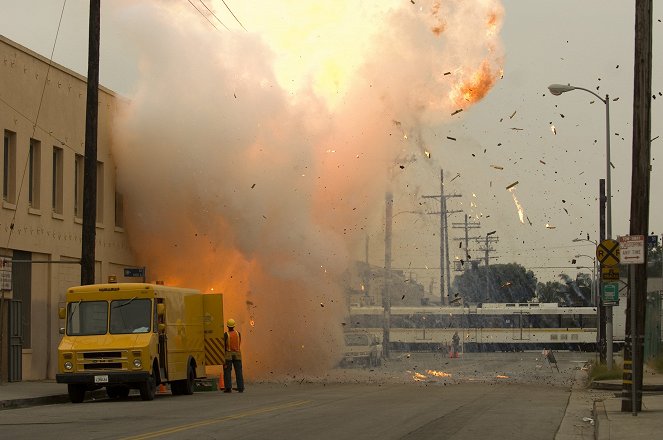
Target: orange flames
473,87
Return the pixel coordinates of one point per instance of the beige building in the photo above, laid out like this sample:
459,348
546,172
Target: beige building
42,117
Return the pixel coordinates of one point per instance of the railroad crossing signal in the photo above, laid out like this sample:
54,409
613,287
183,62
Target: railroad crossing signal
607,252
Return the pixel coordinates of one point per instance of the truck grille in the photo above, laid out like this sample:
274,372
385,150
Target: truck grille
102,355
104,366
102,360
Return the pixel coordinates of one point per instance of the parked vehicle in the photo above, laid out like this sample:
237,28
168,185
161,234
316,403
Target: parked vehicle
138,335
362,348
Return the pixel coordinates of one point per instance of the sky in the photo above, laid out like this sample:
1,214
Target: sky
290,121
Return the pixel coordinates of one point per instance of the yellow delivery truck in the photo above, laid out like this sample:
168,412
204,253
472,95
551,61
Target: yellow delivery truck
138,335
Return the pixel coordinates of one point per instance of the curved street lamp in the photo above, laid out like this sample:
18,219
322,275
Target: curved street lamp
558,89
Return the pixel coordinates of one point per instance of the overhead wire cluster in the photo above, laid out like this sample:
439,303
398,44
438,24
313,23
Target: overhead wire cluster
214,15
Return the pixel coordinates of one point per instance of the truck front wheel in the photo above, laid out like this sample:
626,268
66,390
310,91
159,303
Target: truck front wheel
148,389
76,392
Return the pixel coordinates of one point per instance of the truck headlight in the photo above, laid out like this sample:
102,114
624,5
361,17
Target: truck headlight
138,363
68,365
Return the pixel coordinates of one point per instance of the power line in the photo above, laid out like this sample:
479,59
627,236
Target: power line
204,16
211,12
231,13
34,125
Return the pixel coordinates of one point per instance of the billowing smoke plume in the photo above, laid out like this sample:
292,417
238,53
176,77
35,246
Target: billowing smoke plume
252,161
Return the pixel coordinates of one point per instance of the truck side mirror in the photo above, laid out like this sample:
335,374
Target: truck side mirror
62,313
161,309
162,328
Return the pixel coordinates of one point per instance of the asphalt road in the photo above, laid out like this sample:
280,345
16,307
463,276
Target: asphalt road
496,396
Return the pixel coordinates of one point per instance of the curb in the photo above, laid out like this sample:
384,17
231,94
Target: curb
610,386
46,400
601,421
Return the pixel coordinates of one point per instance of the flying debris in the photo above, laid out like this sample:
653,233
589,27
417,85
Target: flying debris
455,177
447,73
513,114
529,221
451,138
517,129
457,111
548,226
542,161
512,185
497,167
553,129
427,153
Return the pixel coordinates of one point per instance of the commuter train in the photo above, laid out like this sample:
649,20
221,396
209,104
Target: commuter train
489,326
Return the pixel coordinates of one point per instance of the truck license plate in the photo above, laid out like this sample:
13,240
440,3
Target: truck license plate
101,379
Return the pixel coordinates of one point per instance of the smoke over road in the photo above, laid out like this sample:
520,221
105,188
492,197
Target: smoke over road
252,162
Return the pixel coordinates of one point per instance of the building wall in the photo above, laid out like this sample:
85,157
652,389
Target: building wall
47,105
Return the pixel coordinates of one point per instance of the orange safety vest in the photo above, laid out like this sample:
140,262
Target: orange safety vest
232,341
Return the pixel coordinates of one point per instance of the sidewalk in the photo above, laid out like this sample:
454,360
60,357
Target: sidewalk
31,393
612,423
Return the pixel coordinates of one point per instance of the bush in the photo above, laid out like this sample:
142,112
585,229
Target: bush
601,372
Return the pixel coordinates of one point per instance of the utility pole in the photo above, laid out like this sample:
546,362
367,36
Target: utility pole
90,167
605,330
640,185
490,238
444,242
467,225
386,291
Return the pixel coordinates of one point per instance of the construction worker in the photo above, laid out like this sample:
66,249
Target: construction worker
232,341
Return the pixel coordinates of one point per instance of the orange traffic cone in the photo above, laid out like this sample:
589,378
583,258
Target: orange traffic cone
162,388
220,383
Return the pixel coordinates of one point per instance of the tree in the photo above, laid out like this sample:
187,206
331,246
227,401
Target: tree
552,292
496,283
568,292
654,261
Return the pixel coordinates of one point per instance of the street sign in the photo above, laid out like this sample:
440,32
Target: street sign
134,272
632,249
610,273
610,293
607,252
652,241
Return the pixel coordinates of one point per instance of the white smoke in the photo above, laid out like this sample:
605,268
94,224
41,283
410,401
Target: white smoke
252,161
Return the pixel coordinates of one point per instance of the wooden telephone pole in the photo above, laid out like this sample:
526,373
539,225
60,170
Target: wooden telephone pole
633,352
90,168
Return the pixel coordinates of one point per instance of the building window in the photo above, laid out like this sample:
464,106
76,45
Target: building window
119,210
34,173
100,192
79,166
56,194
9,168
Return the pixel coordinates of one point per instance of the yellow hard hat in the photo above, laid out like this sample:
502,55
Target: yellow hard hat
230,323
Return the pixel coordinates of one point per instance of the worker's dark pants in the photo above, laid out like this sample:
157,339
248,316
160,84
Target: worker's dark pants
227,374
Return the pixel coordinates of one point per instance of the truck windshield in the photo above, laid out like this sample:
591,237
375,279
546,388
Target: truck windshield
130,316
87,318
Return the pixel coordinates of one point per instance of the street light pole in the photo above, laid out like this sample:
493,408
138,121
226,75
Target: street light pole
558,89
